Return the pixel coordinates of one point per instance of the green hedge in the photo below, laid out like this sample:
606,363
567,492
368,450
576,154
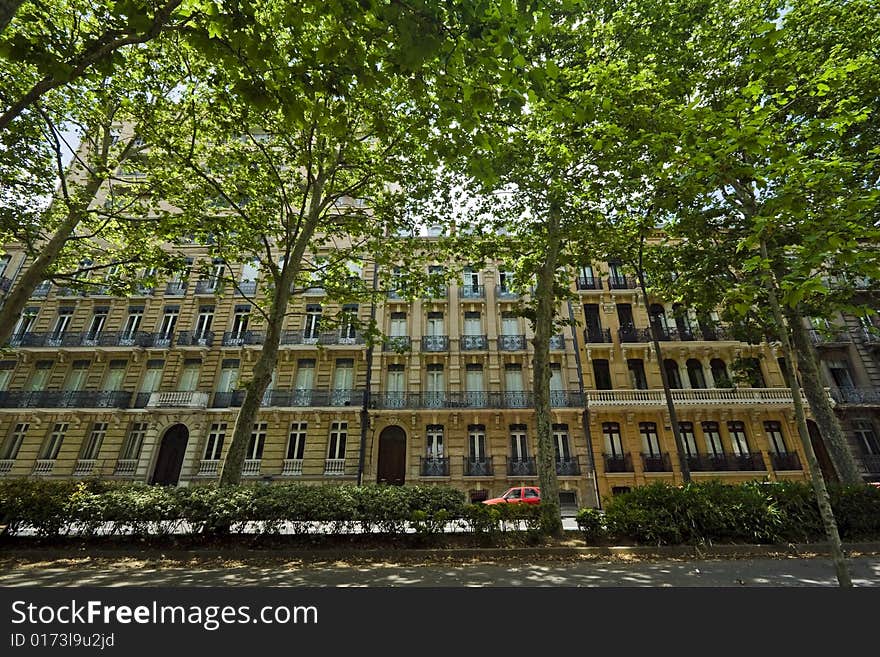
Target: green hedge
52,508
755,512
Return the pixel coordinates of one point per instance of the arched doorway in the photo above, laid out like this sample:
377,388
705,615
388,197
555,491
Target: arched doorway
392,456
170,458
825,463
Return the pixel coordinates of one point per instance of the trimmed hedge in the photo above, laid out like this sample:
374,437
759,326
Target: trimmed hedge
754,512
54,508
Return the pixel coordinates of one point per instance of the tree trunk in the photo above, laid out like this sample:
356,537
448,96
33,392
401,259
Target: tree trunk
7,11
551,519
265,365
824,501
667,392
31,277
814,390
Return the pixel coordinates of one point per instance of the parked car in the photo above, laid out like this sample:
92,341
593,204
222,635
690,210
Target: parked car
518,494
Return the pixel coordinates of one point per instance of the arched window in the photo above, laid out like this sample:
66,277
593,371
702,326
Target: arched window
719,373
672,375
695,373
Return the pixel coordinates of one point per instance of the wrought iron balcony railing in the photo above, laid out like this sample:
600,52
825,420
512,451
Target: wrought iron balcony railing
435,343
618,463
656,462
292,398
866,396
246,288
596,336
195,338
502,292
786,461
41,290
871,463
471,291
568,467
397,343
175,289
587,283
830,338
622,283
5,284
434,466
343,337
243,338
477,467
632,334
474,343
65,399
511,342
78,339
557,342
522,467
208,286
512,399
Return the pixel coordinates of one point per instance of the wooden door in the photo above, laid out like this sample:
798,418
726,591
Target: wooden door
392,457
170,459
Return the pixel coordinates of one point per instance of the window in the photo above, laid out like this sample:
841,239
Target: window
713,439
14,441
477,442
228,375
840,372
215,275
240,321
305,381
132,323
474,384
7,367
673,376
348,327
557,386
250,271
505,280
470,282
436,326
131,449
97,324
719,373
153,375
26,321
658,321
92,447
751,368
637,378
115,375
593,323
473,324
312,325
189,377
435,385
169,321
434,442
509,324
53,445
560,442
395,384
296,440
519,442
615,271
257,441
695,373
866,437
775,438
738,439
214,446
76,379
686,430
613,440
203,323
40,376
338,436
343,375
650,440
4,263
514,385
602,372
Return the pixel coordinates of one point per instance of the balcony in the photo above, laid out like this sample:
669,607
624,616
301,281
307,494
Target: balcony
75,339
434,466
656,462
477,467
670,334
788,461
632,334
511,342
159,340
618,463
856,396
5,284
126,467
65,399
713,333
246,289
141,399
251,468
397,343
292,398
143,291
871,463
243,338
622,283
833,337
709,463
330,338
292,468
512,399
589,283
871,338
209,468
691,397
503,293
195,339
6,466
42,290
175,289
568,467
472,292
597,336
230,399
474,343
208,286
435,343
178,399
84,467
522,467
753,461
44,466
68,292
334,466
557,342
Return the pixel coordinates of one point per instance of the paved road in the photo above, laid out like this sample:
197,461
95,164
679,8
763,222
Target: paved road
781,572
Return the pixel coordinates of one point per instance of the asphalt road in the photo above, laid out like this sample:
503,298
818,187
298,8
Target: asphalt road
572,572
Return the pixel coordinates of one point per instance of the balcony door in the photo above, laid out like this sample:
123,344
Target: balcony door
391,468
170,458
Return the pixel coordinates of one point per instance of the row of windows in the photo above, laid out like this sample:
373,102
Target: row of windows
650,441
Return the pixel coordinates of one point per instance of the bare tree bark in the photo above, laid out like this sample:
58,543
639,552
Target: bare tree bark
822,497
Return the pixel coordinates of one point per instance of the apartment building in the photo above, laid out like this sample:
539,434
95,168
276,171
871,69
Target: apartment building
146,388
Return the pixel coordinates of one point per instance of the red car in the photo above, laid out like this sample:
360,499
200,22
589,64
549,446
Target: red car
518,494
